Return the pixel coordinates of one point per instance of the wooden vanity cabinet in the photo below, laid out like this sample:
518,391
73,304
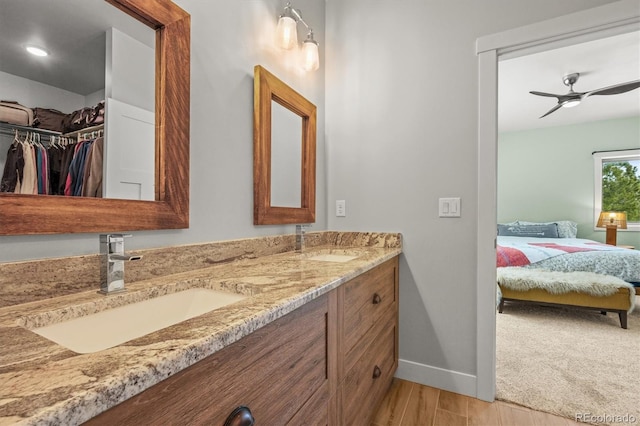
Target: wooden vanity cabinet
368,332
275,371
329,362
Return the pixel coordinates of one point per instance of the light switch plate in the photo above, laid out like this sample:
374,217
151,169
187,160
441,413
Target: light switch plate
449,207
341,208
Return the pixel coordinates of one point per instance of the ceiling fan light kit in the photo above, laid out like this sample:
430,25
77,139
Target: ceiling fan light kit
571,104
572,98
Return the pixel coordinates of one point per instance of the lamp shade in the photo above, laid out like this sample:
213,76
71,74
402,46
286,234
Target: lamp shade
617,219
310,55
286,33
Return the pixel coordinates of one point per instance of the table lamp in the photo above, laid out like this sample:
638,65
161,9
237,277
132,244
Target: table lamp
612,221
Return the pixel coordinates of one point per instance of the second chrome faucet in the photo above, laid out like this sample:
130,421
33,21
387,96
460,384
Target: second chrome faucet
300,232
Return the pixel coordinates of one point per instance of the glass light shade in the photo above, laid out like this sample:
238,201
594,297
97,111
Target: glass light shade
287,33
617,219
310,55
571,104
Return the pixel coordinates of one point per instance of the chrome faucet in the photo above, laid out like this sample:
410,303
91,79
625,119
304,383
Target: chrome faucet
300,232
112,258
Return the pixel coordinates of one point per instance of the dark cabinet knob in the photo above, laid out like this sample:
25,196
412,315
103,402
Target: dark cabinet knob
241,416
376,299
376,372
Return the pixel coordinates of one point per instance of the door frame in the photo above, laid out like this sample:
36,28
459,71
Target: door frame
615,18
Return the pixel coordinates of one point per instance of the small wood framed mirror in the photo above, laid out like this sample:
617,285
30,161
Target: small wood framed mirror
270,94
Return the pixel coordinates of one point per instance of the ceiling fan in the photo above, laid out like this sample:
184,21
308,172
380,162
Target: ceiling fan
572,98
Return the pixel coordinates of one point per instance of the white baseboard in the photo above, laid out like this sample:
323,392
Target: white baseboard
440,378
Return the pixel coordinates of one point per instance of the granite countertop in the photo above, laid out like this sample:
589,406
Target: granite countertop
42,382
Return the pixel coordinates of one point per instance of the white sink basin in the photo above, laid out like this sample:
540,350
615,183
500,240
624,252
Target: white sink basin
332,257
106,329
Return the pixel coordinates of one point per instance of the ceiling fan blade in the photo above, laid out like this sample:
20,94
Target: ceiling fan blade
551,95
552,110
616,89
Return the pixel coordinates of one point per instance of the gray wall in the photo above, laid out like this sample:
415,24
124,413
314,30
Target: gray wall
402,132
227,40
547,174
32,93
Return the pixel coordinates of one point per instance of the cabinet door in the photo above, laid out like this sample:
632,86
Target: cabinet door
273,371
316,410
366,383
367,299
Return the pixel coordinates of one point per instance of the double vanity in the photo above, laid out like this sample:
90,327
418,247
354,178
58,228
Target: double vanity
247,328
295,337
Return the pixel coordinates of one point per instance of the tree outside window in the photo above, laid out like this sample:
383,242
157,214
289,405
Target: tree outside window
621,188
617,185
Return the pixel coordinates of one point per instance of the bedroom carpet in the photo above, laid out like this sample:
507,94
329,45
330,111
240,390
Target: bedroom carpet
568,361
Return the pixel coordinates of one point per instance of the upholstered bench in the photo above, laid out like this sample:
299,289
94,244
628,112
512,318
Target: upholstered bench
587,290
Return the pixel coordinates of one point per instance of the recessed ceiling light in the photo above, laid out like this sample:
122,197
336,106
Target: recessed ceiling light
38,51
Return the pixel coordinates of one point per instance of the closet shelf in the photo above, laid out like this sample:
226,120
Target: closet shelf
83,131
8,129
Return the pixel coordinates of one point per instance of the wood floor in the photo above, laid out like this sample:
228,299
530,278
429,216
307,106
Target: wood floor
412,404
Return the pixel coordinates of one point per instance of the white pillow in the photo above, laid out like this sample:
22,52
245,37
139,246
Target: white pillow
566,228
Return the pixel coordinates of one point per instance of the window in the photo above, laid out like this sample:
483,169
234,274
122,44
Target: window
617,184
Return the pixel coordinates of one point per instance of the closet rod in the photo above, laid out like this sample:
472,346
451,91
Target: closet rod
8,129
83,131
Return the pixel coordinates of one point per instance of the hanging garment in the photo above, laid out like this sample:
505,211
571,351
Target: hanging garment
54,158
18,185
68,187
84,152
73,171
92,186
76,169
30,175
45,171
13,168
85,170
39,169
67,157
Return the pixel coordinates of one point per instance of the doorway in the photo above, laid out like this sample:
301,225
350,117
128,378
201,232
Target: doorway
616,18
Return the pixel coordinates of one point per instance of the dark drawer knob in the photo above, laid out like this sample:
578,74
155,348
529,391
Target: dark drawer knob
376,299
241,416
376,372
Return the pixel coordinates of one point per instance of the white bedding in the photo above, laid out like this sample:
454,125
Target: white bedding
569,254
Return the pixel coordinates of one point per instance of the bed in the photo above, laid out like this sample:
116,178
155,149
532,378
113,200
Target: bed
567,255
550,248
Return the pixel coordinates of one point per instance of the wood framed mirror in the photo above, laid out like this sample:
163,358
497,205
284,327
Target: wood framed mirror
29,214
269,90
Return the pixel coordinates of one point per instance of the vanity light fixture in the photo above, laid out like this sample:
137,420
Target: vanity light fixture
287,37
37,51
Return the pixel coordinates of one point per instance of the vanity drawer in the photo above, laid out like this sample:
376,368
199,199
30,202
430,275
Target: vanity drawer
366,383
274,371
366,300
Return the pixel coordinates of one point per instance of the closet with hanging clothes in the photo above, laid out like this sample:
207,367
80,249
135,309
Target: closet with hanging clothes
48,163
84,169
